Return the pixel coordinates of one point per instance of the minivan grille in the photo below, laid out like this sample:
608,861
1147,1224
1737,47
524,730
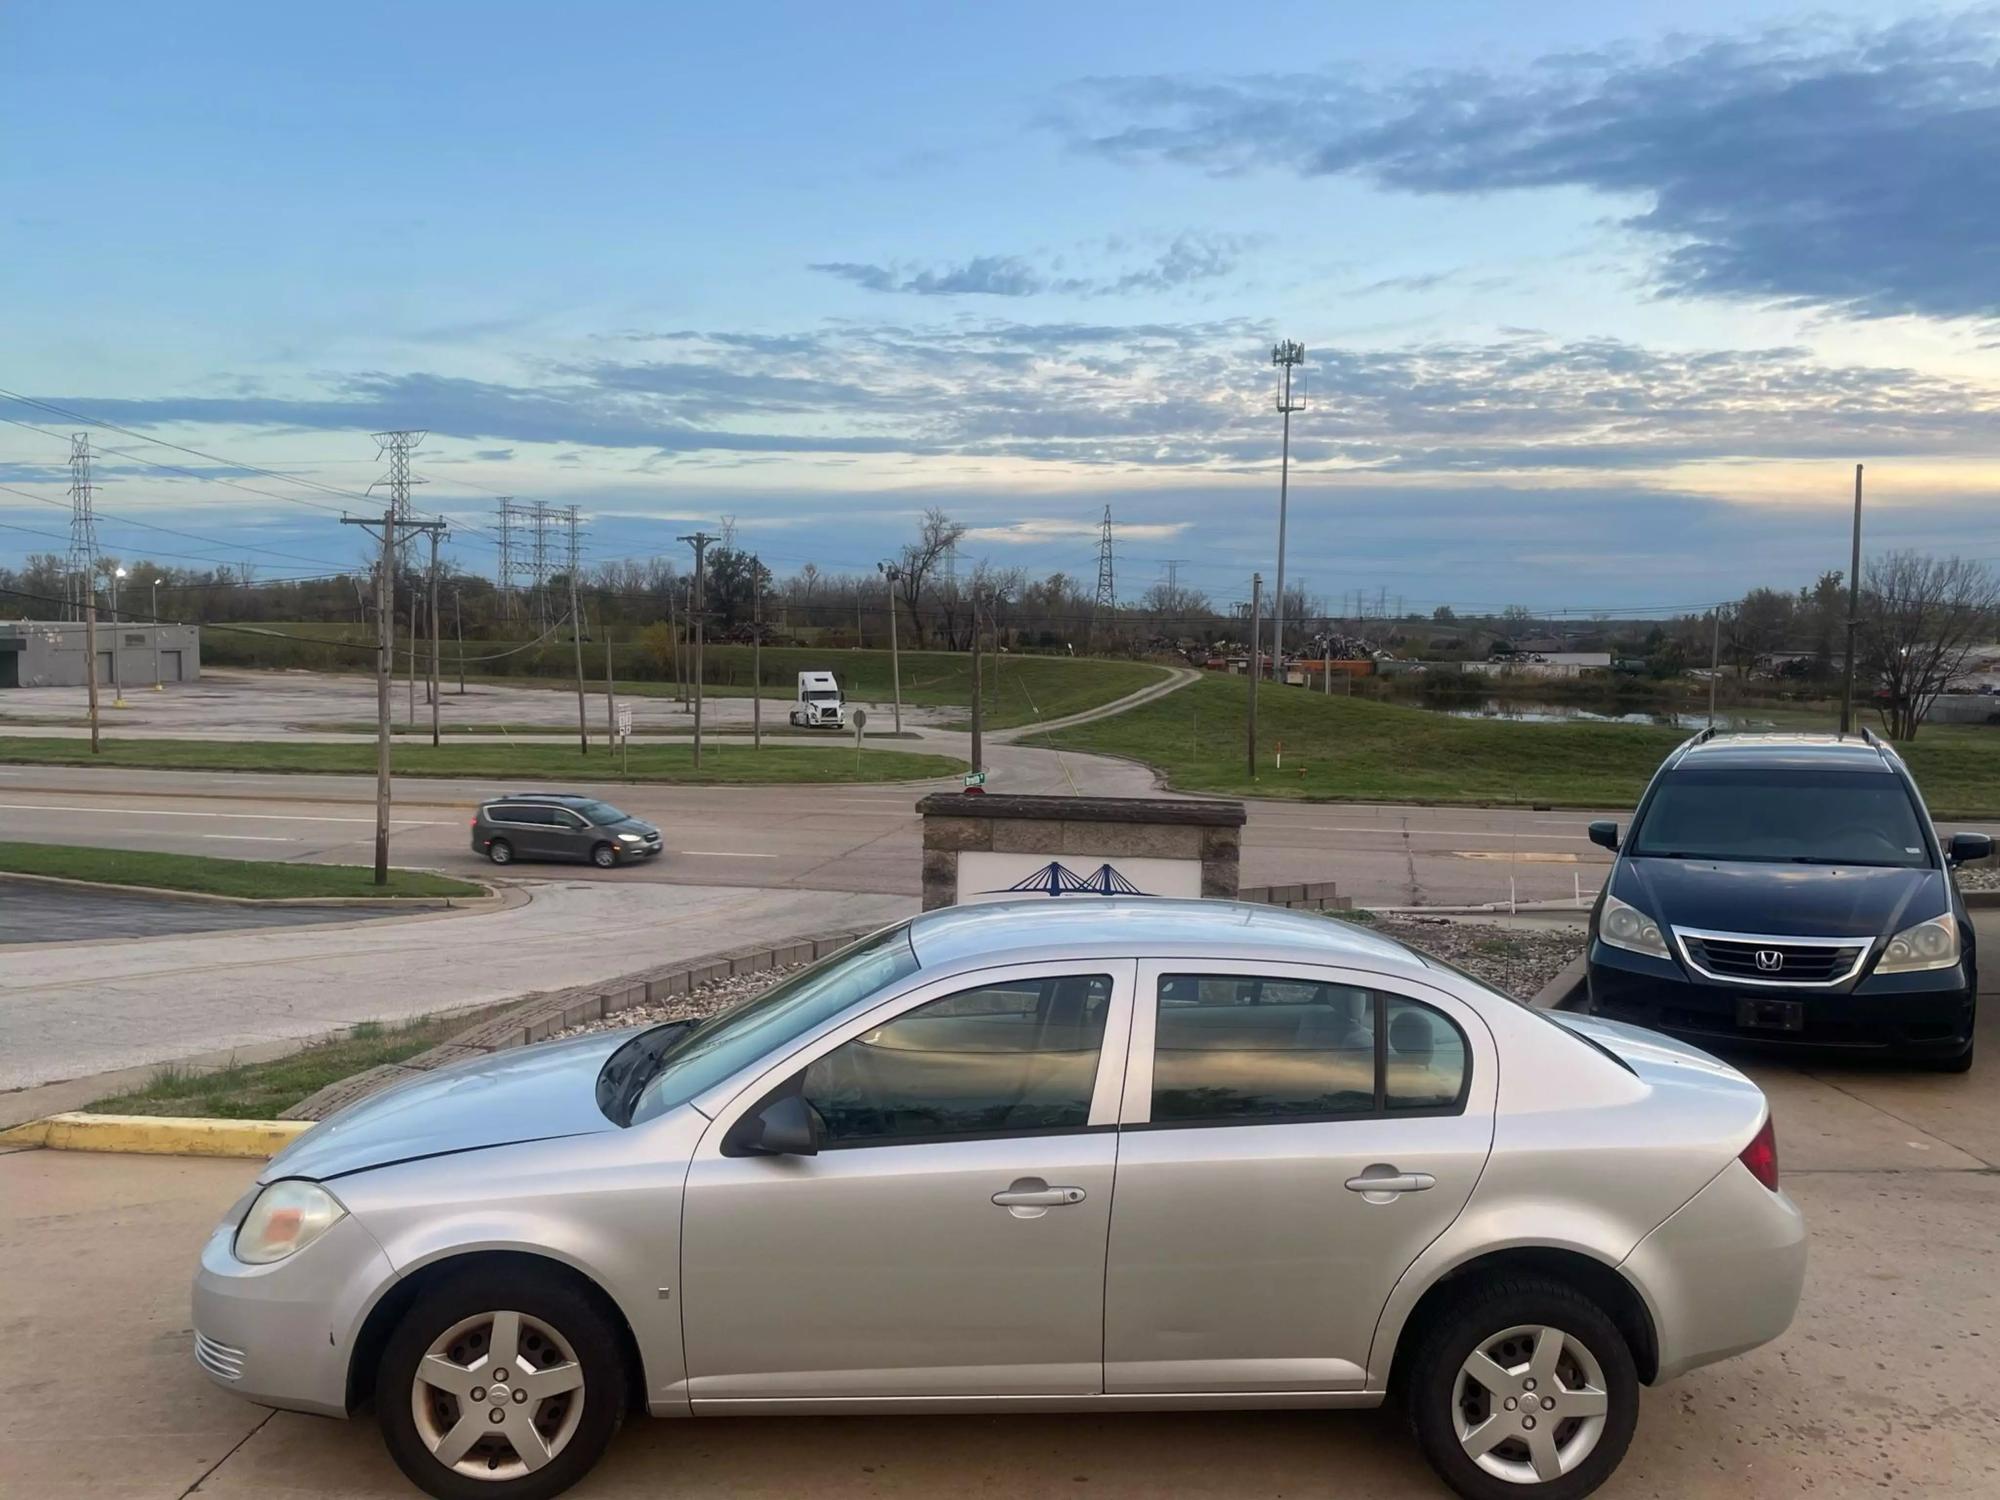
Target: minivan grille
1773,960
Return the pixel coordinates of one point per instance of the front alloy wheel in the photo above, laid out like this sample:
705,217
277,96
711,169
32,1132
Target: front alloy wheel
604,856
497,1396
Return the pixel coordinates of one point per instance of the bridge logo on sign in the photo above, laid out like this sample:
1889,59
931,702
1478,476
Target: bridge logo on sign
1057,879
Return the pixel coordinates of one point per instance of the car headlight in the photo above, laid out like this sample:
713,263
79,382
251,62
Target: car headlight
287,1217
1928,945
1625,926
630,838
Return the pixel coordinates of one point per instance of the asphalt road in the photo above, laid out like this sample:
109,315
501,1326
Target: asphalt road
1883,1386
34,913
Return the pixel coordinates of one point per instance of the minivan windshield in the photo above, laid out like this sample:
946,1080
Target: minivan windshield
602,814
705,1055
1782,816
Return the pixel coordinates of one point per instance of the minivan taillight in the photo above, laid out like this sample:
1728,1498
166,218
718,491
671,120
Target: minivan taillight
1761,1155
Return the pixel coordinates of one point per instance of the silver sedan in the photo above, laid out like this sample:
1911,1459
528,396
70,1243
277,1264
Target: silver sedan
1076,1155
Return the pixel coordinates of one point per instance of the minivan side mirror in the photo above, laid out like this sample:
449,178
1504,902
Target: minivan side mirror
784,1126
1604,833
1965,848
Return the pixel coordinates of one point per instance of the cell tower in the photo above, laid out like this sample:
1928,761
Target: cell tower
82,567
1106,601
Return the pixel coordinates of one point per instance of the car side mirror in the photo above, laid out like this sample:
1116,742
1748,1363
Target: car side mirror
1968,848
784,1126
1604,833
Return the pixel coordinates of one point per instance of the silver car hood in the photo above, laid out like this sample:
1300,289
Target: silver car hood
524,1094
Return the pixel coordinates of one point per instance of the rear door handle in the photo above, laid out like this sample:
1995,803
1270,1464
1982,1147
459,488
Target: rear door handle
1391,1182
1047,1197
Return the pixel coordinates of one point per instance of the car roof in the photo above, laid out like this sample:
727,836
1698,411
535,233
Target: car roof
1147,926
544,797
1805,752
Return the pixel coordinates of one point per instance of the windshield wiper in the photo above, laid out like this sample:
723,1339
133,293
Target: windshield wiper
628,1070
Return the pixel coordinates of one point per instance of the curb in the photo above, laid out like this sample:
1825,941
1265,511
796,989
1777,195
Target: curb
157,1135
490,900
1980,900
1567,990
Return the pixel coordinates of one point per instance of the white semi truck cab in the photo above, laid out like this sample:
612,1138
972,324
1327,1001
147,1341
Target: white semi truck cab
818,705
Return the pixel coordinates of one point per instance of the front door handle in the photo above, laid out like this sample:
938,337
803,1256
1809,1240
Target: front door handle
1387,1181
1043,1197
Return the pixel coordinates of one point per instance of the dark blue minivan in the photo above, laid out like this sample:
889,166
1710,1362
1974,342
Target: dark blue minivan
1788,888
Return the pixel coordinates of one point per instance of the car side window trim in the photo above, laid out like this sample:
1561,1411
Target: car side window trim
1137,1113
771,1077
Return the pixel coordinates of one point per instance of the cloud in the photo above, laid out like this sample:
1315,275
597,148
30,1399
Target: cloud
494,455
1158,398
1857,170
1037,530
1185,259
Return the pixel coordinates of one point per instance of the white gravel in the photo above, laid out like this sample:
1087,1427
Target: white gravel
1979,878
1519,960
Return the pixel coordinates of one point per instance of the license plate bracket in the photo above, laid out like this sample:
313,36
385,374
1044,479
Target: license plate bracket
1759,1013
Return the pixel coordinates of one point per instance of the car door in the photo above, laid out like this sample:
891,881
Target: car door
529,828
570,836
948,1239
1248,1250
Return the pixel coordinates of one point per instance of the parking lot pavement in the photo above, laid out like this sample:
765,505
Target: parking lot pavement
31,913
1883,1385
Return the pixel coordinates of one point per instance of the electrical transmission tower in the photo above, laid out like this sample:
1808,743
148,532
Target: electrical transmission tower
504,575
1106,602
82,567
538,564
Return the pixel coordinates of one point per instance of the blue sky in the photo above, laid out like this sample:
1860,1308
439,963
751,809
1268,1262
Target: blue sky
1602,303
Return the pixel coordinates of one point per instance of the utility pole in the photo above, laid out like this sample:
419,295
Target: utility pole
699,541
1285,356
576,638
434,636
385,650
610,688
1714,663
90,650
1853,614
978,706
1256,629
756,654
674,630
458,629
892,575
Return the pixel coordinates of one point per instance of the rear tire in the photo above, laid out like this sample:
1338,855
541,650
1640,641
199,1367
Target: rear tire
500,852
1563,1365
603,856
558,1333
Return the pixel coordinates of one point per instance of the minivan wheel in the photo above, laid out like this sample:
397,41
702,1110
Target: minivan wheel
500,1387
1524,1387
500,852
604,856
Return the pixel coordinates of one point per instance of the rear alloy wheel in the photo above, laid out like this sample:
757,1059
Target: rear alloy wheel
493,1388
1524,1388
500,852
604,856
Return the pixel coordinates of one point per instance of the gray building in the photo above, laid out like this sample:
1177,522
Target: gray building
53,653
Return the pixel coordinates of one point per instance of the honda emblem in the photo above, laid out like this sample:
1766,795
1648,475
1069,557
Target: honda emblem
1769,960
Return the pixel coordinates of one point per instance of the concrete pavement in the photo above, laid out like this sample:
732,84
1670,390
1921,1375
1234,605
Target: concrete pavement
1883,1385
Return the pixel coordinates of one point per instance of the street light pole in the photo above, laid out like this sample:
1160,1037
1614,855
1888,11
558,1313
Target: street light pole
117,678
157,628
892,575
1284,356
1853,614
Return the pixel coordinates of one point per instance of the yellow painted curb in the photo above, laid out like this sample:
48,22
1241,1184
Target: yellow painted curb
157,1135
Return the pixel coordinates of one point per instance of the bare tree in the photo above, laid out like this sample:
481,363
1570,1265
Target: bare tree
921,558
1921,617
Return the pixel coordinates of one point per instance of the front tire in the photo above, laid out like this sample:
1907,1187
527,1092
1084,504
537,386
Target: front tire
603,856
500,852
1523,1388
500,1387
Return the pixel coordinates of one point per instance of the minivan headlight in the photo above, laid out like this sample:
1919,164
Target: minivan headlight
1623,925
287,1217
1928,945
630,838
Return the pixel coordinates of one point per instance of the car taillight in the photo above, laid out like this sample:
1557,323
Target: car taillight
1761,1155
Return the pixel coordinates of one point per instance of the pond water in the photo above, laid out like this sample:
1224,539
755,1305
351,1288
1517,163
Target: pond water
1529,711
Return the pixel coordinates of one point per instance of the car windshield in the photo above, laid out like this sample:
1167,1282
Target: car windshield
816,693
603,814
1782,816
724,1044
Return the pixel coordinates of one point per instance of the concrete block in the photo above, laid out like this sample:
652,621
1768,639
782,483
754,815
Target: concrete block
958,833
792,954
702,974
1221,843
337,1096
661,986
442,1057
581,1012
1026,836
1132,840
755,961
625,999
1218,880
501,1031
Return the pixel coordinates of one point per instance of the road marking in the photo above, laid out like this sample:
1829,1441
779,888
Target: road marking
722,854
1445,833
249,838
151,812
1528,857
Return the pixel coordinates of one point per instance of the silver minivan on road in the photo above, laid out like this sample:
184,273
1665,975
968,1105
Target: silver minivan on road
1092,1154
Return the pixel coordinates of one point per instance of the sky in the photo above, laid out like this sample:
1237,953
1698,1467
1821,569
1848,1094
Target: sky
1601,304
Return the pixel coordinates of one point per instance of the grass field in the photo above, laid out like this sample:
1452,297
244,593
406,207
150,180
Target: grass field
257,1091
268,879
1356,750
1021,689
721,765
